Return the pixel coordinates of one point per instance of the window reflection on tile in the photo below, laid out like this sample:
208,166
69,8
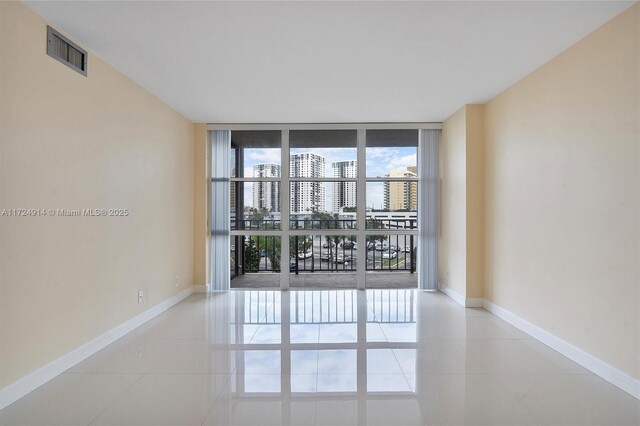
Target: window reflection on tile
382,361
304,383
242,333
337,382
257,362
267,333
387,383
242,354
262,383
337,361
400,332
304,362
338,333
375,333
304,333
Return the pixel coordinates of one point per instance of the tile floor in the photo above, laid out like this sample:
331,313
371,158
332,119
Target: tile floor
325,357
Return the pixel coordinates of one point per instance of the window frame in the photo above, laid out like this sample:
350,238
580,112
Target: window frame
361,180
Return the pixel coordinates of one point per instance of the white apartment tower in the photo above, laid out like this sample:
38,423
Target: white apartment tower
266,195
344,193
307,197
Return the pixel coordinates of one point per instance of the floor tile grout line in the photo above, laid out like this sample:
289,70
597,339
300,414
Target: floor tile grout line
116,400
226,384
514,400
402,369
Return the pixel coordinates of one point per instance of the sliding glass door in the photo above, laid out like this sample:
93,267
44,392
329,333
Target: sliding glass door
321,206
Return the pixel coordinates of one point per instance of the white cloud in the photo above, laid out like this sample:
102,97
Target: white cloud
262,155
403,162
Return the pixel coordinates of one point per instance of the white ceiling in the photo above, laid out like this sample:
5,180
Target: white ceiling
293,62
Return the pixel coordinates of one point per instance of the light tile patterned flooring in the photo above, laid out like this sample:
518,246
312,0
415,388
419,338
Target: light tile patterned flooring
325,357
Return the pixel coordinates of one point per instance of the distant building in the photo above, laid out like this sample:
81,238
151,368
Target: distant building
266,195
307,197
401,195
344,193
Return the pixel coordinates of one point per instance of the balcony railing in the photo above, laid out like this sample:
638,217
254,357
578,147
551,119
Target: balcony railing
328,307
309,254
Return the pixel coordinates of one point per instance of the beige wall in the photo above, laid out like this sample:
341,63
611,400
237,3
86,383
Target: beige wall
73,142
461,165
562,195
453,241
475,199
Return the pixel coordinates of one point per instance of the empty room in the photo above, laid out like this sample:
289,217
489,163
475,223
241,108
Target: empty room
319,213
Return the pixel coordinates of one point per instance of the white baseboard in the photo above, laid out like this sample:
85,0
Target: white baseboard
37,378
611,374
202,288
457,297
467,302
473,302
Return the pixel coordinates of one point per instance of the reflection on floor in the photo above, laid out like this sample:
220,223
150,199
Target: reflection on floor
325,357
322,280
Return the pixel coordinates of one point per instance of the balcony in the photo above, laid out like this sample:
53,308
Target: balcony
325,261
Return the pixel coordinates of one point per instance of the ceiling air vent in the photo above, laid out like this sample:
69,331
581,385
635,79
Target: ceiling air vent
64,50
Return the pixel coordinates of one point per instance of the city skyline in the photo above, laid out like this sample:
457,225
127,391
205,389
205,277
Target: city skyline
380,161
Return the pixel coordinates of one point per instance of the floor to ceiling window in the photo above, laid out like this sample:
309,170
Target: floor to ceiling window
318,206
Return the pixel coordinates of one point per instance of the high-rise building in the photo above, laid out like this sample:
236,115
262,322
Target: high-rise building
266,195
402,195
307,197
344,193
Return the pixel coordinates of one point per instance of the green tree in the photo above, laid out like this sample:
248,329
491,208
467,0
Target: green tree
330,221
271,246
251,255
375,224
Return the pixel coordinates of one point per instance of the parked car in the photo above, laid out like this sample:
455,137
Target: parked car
394,248
325,257
293,265
263,253
305,255
382,246
327,245
349,245
406,249
389,254
343,257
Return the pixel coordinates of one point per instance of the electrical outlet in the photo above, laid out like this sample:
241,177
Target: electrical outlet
140,296
176,281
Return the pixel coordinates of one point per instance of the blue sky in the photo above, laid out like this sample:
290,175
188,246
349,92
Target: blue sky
379,162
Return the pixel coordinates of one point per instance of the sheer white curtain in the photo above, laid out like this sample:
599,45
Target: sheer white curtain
429,208
220,208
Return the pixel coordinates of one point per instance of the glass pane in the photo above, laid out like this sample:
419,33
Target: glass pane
255,153
392,205
255,261
391,261
322,205
392,153
323,261
255,205
323,153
